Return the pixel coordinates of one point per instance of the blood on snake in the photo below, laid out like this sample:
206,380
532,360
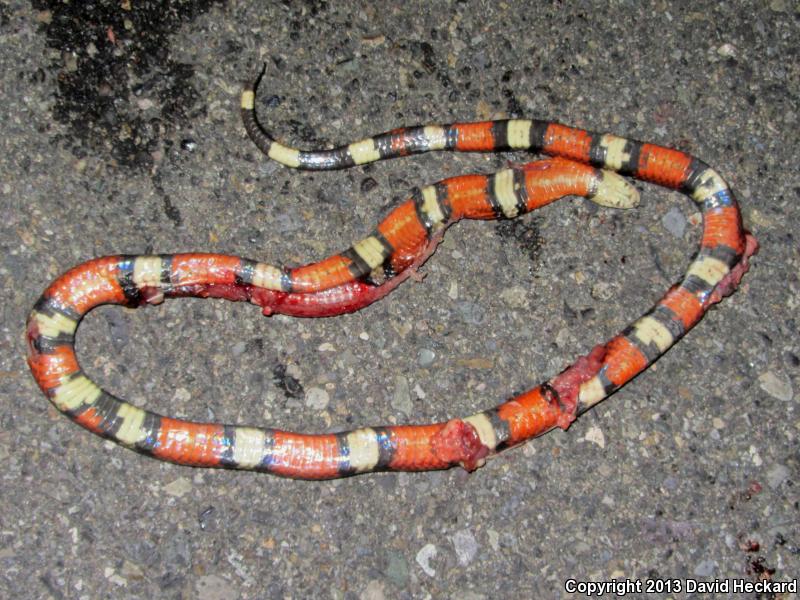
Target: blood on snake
582,163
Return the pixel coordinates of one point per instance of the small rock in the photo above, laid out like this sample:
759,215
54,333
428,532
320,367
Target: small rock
397,569
71,63
674,222
562,337
670,483
602,291
727,50
476,363
425,357
777,474
470,312
373,591
178,488
181,395
317,398
755,456
401,399
779,388
595,435
452,291
373,40
424,557
466,546
130,570
516,296
494,539
212,587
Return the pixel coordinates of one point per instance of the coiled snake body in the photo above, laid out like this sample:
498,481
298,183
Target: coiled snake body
584,164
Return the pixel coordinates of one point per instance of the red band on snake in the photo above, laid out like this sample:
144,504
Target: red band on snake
584,164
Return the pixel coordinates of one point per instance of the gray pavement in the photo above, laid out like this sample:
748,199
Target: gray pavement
120,133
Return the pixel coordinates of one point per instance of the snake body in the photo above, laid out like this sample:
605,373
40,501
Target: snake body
583,164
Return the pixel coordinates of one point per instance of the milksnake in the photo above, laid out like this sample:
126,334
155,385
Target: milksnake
583,164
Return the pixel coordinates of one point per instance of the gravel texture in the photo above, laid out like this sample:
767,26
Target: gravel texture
119,133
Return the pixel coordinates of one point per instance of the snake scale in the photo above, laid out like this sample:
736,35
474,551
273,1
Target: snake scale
582,163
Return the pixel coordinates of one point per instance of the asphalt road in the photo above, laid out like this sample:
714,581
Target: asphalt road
120,133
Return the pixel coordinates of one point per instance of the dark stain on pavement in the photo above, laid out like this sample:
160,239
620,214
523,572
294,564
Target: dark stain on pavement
118,89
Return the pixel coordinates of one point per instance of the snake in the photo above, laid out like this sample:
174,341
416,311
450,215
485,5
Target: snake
580,163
